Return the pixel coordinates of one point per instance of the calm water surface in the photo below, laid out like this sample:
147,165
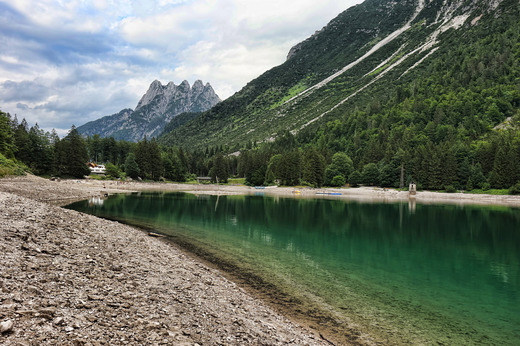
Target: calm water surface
402,273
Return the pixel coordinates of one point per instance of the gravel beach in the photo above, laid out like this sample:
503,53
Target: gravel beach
70,278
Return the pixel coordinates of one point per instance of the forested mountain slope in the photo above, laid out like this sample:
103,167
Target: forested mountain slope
373,58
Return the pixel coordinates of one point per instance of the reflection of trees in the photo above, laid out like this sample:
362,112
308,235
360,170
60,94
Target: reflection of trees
376,235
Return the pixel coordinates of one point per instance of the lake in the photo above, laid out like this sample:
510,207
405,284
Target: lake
399,272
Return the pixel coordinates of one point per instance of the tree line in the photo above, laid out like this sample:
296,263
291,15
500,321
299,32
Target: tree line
491,161
45,154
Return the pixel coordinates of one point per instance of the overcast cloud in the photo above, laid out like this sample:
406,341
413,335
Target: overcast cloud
72,61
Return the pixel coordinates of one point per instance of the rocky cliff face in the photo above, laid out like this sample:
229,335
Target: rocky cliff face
154,111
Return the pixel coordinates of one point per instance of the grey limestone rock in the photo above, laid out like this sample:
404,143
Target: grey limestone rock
156,108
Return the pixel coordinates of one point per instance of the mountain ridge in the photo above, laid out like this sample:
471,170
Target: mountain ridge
366,44
156,108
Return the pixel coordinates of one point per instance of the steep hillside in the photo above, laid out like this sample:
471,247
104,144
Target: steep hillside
372,57
155,110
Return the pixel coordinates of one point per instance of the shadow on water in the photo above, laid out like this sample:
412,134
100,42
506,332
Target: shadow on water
398,272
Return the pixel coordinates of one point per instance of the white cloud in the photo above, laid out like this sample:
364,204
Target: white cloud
73,61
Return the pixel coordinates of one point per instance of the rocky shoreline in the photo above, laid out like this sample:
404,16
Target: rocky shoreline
71,278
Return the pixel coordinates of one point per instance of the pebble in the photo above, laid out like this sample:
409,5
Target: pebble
93,281
6,326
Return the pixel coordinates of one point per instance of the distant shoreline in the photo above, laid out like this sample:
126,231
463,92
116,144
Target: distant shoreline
88,188
363,193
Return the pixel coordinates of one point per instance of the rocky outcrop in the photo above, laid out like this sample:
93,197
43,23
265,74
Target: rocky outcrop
158,106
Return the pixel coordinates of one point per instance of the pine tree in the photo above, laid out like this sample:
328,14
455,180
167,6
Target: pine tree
77,155
183,160
503,174
289,168
219,172
154,157
22,143
272,172
131,166
354,179
6,136
313,167
370,174
143,158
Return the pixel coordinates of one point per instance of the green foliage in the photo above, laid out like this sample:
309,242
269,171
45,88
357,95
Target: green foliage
6,135
450,119
108,149
273,169
252,164
496,192
220,172
112,170
390,175
236,181
355,179
313,167
433,121
71,155
174,165
338,181
370,174
450,189
289,169
148,156
132,169
515,189
295,90
10,167
341,165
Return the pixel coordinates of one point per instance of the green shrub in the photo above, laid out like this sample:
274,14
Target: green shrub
112,170
10,167
338,181
354,179
515,189
450,189
486,186
370,174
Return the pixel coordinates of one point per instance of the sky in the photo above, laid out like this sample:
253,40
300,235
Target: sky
67,62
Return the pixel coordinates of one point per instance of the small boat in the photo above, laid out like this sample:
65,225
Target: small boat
260,187
329,193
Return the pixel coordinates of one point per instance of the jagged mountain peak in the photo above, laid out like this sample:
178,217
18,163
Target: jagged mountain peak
198,85
157,89
156,108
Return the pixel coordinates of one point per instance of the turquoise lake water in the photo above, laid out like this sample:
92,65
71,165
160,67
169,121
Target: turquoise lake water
400,273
